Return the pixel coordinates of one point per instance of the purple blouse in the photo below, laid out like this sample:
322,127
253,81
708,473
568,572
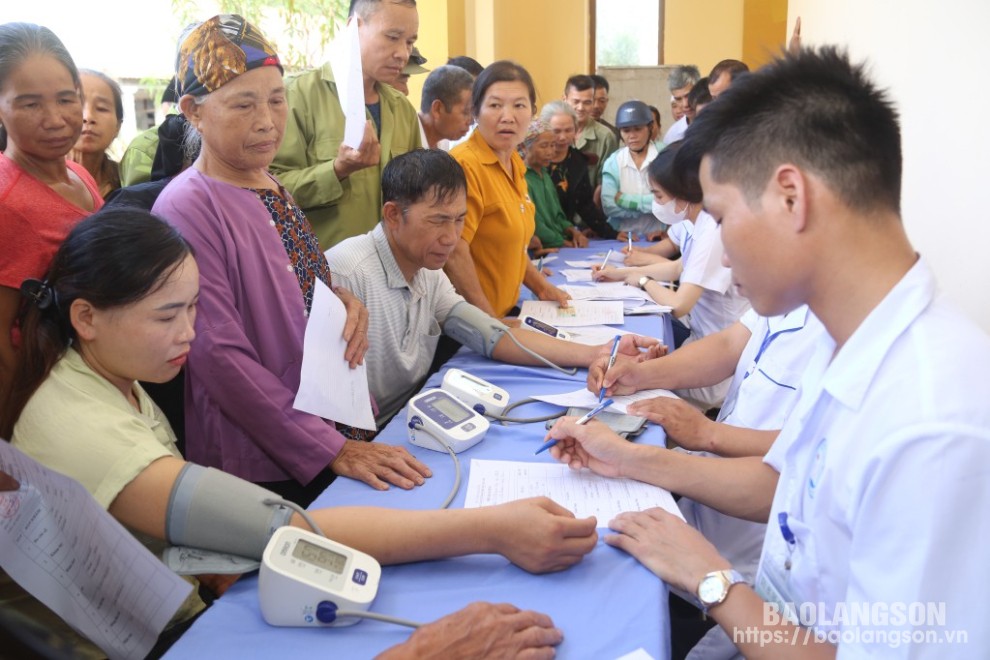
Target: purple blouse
243,370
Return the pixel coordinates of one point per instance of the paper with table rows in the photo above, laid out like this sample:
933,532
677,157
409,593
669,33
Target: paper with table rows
580,491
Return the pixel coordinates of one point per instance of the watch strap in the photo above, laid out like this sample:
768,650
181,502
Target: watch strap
730,577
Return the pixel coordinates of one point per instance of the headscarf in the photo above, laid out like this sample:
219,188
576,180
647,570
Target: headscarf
537,127
218,51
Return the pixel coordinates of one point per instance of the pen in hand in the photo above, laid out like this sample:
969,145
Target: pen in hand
581,422
605,260
611,361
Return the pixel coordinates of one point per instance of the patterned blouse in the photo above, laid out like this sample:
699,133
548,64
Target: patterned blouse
298,239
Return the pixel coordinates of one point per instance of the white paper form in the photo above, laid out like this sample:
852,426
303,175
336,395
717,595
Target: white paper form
614,259
580,491
576,274
69,553
345,53
577,313
587,399
606,291
328,387
546,259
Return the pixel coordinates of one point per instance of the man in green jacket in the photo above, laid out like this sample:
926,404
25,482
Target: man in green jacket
339,187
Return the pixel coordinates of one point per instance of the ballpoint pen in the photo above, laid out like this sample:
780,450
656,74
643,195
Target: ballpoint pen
581,422
611,361
539,265
607,255
629,236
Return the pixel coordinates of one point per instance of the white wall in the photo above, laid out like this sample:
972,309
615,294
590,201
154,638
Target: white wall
933,57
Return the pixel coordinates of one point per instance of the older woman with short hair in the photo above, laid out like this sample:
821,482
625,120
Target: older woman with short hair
568,170
259,261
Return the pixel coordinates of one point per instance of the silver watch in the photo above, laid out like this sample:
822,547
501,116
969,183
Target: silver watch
643,280
715,586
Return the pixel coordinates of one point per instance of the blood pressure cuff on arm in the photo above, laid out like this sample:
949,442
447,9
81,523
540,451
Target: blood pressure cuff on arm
473,328
213,510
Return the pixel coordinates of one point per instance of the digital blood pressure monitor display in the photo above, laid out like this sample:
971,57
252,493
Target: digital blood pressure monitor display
306,578
451,414
322,557
437,414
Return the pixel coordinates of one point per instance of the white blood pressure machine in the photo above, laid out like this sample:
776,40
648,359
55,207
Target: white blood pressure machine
479,395
305,579
436,414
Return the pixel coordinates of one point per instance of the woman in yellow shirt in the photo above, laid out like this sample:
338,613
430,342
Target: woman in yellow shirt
489,264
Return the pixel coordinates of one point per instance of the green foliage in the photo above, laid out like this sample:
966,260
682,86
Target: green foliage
619,50
300,29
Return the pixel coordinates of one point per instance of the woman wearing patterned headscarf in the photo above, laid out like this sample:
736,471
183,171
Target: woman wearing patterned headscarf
553,229
259,261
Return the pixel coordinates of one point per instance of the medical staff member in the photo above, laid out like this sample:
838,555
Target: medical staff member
705,301
768,357
871,487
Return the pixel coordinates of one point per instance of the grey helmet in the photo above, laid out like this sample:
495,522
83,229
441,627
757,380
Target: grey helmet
633,113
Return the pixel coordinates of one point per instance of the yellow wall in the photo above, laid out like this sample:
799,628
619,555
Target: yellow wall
764,31
432,42
702,32
550,38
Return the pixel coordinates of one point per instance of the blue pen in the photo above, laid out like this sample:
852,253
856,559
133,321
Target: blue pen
785,529
611,361
539,265
581,422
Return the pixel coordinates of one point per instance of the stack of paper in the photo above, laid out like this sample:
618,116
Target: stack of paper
577,313
634,300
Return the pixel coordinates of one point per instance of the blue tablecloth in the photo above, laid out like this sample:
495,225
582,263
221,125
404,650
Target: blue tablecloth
607,605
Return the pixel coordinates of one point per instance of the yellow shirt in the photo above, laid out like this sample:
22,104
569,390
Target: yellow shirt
501,220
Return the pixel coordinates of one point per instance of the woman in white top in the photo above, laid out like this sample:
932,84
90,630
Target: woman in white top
692,253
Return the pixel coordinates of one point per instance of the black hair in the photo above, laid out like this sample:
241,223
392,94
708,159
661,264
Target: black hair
112,258
699,94
118,98
580,82
469,64
496,72
731,67
814,109
445,84
656,114
18,41
677,176
599,81
416,175
365,8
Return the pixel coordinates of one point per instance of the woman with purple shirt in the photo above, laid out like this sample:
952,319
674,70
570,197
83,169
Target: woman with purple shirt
259,261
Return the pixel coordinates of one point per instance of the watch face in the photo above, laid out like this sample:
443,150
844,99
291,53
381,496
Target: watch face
711,590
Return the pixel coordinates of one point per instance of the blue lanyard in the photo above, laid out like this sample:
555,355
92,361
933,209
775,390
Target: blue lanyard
767,340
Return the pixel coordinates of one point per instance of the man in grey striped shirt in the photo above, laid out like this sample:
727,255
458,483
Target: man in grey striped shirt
397,271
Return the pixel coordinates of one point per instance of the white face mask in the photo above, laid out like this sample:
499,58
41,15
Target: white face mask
667,213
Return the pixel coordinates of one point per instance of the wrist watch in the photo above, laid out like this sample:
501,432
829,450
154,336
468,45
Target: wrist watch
714,587
643,280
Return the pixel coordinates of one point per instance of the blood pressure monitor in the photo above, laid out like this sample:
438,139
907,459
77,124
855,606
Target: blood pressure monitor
305,578
542,326
442,415
475,392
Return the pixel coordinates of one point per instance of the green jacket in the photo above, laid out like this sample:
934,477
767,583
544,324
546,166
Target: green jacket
597,143
551,225
135,165
304,164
